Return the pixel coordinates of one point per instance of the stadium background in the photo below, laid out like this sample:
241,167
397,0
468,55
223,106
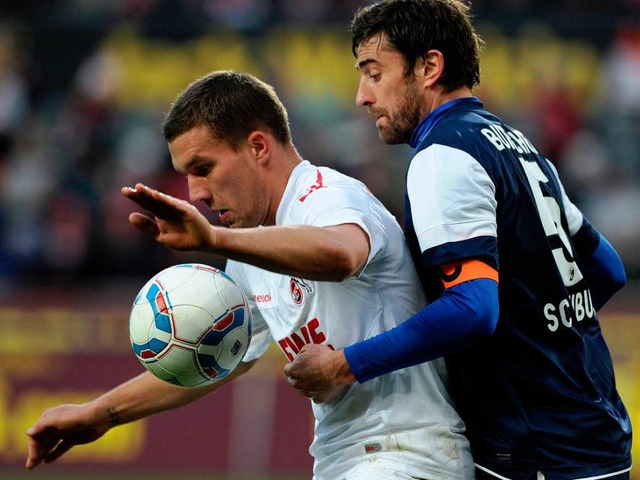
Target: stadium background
83,88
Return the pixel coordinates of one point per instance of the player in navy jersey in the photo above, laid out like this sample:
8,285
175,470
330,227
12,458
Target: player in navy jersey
514,272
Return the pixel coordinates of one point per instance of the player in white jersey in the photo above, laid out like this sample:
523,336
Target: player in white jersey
322,261
388,413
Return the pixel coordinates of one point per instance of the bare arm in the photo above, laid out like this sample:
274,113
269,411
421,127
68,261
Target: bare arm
62,427
316,253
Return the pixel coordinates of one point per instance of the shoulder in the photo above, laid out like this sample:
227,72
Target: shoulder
310,178
463,130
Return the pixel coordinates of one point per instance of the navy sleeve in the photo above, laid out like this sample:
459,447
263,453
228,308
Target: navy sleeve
604,272
466,312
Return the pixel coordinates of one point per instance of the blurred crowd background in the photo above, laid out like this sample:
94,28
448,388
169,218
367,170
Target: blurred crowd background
84,85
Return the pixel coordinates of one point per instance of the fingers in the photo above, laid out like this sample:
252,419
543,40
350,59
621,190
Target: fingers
40,445
144,222
60,449
138,190
38,454
314,395
141,193
159,203
135,193
34,456
138,194
306,388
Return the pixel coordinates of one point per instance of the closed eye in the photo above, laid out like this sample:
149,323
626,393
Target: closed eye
201,170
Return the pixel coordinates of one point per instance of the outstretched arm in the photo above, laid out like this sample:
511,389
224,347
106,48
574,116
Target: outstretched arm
465,313
331,253
62,427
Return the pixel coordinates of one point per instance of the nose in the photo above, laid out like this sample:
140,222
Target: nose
363,95
198,191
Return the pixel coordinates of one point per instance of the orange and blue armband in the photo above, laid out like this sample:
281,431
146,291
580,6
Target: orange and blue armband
454,273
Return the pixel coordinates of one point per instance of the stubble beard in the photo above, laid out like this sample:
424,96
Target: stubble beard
406,119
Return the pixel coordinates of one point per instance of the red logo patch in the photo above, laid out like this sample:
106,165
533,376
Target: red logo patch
316,186
296,292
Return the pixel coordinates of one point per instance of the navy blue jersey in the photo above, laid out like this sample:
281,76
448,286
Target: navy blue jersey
541,390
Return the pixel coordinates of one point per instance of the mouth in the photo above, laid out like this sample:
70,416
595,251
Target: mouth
379,119
377,116
223,217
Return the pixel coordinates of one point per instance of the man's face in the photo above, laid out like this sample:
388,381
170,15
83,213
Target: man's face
228,182
392,98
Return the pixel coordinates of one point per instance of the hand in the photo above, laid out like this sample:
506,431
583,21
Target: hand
173,222
319,372
58,430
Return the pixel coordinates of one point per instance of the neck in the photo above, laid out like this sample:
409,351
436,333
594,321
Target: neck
281,166
439,98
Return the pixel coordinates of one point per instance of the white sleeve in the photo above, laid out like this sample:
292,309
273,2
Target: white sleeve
260,334
337,206
452,197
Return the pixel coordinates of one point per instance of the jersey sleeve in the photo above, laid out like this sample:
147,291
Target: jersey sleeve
260,334
342,204
452,206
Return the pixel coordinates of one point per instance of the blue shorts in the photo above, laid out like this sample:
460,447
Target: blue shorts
481,474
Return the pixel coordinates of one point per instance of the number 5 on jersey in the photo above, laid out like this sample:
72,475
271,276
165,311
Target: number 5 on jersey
550,215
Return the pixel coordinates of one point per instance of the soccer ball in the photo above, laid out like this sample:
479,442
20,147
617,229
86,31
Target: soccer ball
190,325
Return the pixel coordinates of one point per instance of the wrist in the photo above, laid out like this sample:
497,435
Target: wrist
217,239
344,375
103,415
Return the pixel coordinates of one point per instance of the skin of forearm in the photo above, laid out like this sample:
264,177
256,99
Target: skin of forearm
314,253
147,395
137,398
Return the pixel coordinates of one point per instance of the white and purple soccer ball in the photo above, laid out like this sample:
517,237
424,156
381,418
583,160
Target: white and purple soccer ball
190,325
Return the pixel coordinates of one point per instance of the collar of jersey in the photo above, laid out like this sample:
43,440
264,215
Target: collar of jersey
428,122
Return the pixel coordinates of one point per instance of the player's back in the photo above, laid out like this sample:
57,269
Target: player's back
541,390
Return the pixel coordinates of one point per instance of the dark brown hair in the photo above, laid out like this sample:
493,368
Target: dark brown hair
232,105
413,27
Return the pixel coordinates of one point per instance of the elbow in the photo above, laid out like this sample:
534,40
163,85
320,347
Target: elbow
619,279
615,279
486,308
346,269
484,314
343,265
485,320
478,303
606,261
343,252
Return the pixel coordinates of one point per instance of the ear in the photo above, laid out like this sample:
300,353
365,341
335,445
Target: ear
260,145
431,69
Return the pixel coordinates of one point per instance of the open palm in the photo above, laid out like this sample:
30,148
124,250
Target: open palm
173,222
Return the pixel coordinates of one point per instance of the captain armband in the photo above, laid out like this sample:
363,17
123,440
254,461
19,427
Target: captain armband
452,274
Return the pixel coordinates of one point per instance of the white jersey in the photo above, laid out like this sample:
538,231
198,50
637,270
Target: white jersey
405,417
